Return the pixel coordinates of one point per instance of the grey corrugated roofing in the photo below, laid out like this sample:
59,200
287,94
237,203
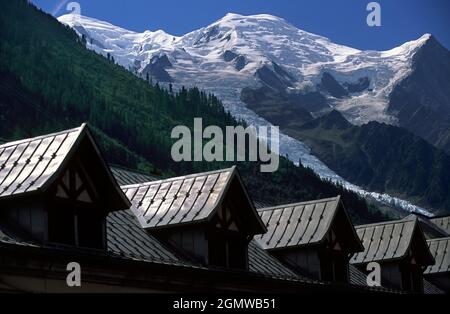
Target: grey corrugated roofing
261,204
181,200
32,165
440,249
129,177
298,224
260,261
387,240
442,222
126,238
384,241
356,276
28,165
429,288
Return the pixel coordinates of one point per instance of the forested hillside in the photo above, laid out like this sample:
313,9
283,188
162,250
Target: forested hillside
49,81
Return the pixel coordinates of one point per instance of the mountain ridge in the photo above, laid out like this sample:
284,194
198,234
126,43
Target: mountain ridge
259,41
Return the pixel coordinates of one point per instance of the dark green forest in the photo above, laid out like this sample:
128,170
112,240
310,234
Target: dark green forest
49,82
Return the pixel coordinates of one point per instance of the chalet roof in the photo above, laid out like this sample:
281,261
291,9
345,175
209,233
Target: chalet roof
430,229
32,165
259,260
128,241
183,200
388,241
443,223
29,165
440,249
300,224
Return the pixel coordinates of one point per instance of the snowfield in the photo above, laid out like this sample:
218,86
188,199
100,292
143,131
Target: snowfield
225,56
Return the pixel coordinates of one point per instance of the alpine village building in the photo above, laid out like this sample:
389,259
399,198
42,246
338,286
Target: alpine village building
131,232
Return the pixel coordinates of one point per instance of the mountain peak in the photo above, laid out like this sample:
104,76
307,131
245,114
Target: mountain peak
426,36
335,119
430,40
410,47
235,19
423,39
331,120
74,20
236,16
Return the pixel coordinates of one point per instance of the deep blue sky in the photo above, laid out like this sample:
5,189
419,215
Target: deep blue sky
343,21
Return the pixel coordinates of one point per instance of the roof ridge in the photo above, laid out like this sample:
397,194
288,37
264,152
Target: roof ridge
438,239
190,176
439,217
300,203
390,222
134,171
18,142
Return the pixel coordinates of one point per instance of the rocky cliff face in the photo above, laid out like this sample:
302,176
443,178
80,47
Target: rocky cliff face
421,101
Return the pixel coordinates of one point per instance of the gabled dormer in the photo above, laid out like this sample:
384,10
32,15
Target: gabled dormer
401,250
207,216
58,189
315,238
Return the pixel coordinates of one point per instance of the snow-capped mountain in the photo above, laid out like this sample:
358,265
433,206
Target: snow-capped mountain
239,53
250,50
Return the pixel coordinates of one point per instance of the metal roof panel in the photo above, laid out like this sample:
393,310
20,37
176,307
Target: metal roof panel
385,241
129,177
297,224
27,165
179,200
440,249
